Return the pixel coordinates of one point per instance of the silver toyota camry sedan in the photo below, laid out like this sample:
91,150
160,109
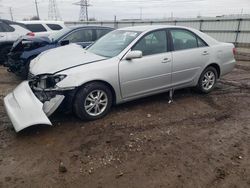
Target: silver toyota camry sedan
124,65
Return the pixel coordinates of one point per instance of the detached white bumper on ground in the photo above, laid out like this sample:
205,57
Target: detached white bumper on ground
24,109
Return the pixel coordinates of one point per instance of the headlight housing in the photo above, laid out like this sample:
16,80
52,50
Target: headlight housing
46,82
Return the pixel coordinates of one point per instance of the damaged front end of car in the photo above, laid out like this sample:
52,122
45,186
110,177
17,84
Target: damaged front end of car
33,101
21,52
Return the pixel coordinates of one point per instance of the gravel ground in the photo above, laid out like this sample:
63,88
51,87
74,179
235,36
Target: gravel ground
197,141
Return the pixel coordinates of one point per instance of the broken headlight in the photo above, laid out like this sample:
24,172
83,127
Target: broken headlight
46,82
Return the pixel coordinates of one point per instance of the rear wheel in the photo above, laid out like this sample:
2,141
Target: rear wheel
207,80
92,101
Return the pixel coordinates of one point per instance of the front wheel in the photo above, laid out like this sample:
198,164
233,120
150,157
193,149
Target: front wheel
207,80
92,101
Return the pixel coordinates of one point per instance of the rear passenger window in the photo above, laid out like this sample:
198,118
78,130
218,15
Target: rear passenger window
85,35
5,27
1,27
36,27
101,32
201,43
54,26
153,43
183,39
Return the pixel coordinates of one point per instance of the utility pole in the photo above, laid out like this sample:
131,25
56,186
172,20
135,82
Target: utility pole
84,4
140,13
37,12
241,12
53,13
11,13
0,6
115,23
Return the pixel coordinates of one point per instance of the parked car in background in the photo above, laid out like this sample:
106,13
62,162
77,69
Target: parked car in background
27,48
9,32
43,28
124,65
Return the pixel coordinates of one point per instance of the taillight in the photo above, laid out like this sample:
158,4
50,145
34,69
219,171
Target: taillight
31,34
234,51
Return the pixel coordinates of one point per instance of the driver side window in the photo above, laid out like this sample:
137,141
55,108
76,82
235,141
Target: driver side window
153,43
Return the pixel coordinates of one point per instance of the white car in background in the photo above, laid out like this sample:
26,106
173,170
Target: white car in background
124,65
9,32
43,28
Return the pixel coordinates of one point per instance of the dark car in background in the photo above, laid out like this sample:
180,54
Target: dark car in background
27,48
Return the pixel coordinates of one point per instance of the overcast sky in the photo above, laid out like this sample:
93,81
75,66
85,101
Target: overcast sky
127,9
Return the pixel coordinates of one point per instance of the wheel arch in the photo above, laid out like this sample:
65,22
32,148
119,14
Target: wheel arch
106,84
216,66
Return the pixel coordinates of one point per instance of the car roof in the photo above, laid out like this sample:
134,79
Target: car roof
41,22
146,28
89,26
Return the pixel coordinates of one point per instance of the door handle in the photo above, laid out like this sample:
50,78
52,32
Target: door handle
205,53
166,60
1,36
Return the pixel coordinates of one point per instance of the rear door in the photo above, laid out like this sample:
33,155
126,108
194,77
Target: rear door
152,72
190,55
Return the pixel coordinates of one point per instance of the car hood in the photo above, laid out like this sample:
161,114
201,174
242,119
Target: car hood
62,58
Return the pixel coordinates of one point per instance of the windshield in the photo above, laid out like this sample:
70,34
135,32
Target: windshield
57,35
113,43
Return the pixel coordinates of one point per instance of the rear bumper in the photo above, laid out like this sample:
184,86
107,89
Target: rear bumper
24,109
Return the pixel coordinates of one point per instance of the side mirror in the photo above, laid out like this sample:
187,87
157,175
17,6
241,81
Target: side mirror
64,42
134,55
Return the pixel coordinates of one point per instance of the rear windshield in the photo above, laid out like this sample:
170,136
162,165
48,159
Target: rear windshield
36,27
54,26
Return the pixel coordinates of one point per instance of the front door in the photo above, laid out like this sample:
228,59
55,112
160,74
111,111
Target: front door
150,73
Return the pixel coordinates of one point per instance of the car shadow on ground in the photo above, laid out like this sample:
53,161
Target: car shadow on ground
61,120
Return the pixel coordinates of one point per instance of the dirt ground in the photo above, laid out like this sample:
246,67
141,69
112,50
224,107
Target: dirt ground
197,141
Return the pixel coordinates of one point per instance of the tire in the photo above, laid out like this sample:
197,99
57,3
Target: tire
207,80
86,101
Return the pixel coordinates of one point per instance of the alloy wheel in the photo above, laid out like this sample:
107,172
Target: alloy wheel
96,102
208,80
